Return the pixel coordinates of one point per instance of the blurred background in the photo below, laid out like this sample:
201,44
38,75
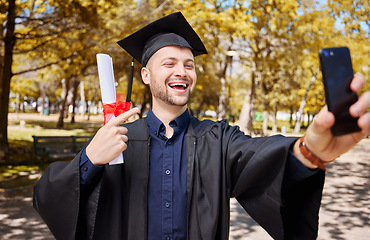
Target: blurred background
262,71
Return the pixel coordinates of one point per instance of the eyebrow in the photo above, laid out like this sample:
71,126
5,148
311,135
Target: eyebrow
176,59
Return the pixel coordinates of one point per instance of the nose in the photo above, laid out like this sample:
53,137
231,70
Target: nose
180,71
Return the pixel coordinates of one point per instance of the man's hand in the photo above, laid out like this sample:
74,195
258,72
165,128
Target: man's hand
110,141
319,139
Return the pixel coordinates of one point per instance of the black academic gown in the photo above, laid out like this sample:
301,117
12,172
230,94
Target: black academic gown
222,163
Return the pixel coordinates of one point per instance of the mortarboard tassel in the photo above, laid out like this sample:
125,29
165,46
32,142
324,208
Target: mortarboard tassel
130,80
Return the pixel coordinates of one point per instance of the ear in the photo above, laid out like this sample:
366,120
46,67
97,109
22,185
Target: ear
145,75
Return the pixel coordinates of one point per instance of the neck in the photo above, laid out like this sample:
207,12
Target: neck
166,114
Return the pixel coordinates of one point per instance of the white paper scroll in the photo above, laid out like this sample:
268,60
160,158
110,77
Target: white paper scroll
108,90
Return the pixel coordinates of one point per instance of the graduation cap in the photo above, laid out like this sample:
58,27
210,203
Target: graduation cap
172,29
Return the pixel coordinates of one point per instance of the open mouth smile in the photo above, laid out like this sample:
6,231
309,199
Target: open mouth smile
178,86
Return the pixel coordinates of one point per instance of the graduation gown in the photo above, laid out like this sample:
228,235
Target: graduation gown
222,163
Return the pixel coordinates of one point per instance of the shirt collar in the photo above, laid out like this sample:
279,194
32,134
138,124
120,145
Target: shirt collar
179,124
182,121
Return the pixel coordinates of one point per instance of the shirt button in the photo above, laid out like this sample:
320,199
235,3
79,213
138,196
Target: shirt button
167,205
85,169
169,143
168,172
168,238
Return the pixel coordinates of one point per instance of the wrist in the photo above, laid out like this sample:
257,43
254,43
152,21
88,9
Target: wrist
308,158
91,156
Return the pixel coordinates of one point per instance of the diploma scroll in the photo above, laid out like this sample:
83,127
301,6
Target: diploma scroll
108,90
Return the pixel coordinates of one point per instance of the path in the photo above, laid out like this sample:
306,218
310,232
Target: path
345,209
345,212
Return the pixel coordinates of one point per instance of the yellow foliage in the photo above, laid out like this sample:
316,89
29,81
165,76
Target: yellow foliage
277,42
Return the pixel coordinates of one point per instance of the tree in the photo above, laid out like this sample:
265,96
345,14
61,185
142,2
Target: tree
331,23
219,25
276,41
36,28
271,53
6,70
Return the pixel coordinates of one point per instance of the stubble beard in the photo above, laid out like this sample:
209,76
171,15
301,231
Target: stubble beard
166,97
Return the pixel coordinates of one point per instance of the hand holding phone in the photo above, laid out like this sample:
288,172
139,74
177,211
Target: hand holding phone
337,72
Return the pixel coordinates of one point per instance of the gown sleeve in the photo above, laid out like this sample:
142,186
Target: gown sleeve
64,199
88,171
266,183
57,196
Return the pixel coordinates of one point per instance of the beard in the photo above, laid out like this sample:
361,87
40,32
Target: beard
168,97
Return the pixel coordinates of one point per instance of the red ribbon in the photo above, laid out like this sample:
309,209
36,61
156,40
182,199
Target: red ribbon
115,109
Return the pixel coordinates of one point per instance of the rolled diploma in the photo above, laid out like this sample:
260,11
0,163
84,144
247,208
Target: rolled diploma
107,88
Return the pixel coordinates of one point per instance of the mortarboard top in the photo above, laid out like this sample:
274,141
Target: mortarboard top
172,29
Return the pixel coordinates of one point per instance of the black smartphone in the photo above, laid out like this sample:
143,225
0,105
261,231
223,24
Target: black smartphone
337,73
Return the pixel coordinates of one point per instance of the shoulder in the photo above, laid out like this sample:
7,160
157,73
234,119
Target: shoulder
201,127
137,130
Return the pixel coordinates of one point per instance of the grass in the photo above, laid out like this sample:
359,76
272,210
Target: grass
19,168
18,176
21,141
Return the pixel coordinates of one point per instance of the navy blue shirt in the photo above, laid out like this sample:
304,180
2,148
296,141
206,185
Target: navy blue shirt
167,198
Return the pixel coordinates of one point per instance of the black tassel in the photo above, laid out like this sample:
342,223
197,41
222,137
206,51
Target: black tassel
130,80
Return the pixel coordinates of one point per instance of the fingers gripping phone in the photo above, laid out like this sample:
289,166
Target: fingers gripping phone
337,73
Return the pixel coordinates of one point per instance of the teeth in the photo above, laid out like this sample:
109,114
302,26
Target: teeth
178,85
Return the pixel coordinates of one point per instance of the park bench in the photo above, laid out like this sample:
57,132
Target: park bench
48,148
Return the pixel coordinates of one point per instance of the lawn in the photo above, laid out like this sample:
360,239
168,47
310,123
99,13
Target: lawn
19,168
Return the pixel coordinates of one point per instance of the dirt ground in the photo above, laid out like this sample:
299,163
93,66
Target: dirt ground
344,214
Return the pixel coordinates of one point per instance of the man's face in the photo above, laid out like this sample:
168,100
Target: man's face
170,74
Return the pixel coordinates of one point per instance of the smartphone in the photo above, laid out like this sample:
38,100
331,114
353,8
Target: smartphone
337,73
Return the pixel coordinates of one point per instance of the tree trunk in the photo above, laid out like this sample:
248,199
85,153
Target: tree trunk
43,96
65,83
247,114
252,99
223,94
244,114
274,121
88,104
222,100
6,76
291,117
22,106
74,99
297,127
265,122
82,97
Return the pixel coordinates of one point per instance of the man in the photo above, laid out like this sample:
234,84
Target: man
178,172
